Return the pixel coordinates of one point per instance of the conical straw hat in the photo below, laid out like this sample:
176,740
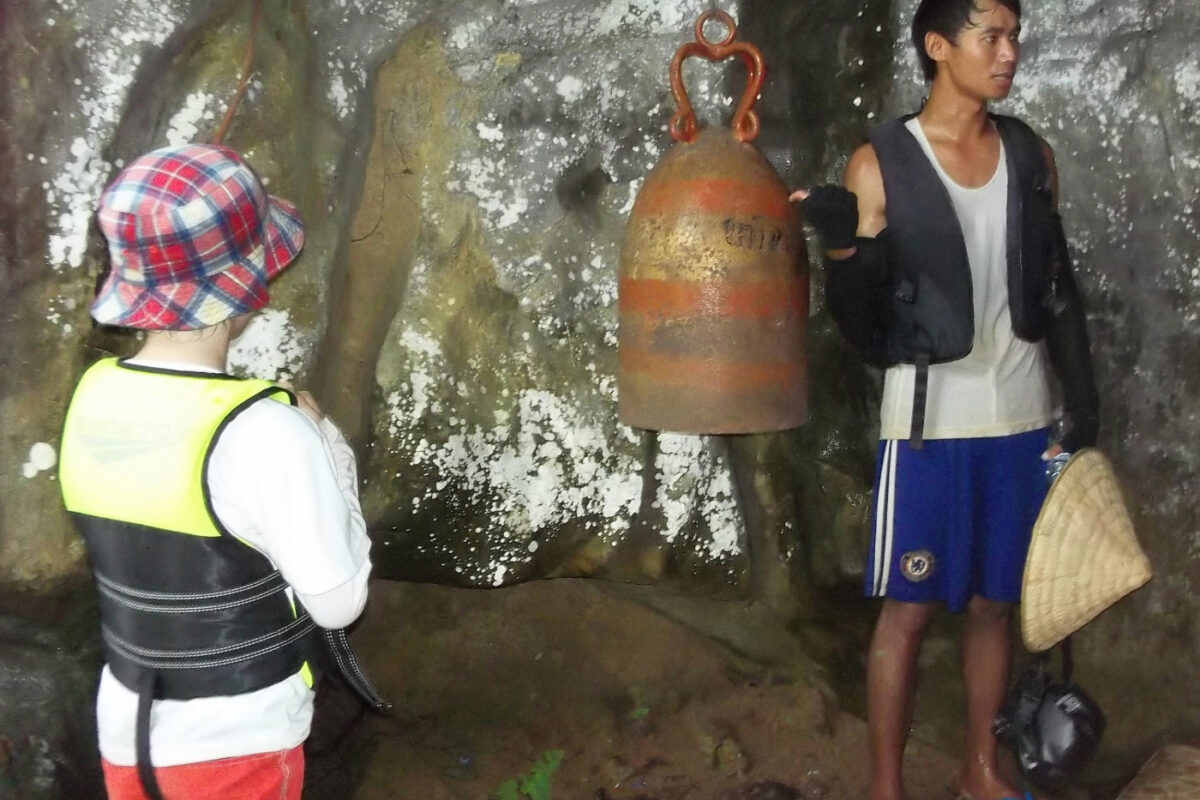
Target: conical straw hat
1083,556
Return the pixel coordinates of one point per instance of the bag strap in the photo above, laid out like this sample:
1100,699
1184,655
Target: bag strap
1031,698
1068,662
1042,659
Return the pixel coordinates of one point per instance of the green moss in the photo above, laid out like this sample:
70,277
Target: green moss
535,784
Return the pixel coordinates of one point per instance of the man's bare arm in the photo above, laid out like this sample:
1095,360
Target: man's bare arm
847,219
864,178
836,212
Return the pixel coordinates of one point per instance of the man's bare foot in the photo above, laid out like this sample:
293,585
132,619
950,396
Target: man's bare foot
982,782
1000,791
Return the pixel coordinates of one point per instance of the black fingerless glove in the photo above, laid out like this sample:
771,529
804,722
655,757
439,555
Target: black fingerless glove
833,211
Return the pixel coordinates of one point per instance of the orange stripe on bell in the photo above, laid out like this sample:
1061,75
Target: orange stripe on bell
739,377
674,299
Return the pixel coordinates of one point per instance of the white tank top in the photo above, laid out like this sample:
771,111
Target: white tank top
1002,386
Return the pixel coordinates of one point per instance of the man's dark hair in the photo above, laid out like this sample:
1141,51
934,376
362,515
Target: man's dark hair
949,18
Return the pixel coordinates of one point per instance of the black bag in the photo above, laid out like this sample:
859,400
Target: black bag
1053,727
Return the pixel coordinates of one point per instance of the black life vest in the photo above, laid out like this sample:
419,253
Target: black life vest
929,306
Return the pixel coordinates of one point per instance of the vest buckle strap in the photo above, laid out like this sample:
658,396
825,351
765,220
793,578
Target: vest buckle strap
338,645
916,433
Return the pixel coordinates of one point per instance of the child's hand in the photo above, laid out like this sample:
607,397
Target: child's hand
305,401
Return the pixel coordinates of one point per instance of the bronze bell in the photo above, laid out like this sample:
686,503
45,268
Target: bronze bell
713,292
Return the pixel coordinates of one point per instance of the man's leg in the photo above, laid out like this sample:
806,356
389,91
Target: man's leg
891,683
987,655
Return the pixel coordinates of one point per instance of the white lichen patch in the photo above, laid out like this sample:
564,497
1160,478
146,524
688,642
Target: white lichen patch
42,457
547,466
184,126
467,33
345,85
271,347
569,88
646,16
60,308
485,178
113,53
692,481
631,196
1187,81
543,461
490,133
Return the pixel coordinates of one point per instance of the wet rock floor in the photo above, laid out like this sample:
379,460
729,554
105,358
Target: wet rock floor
564,689
553,690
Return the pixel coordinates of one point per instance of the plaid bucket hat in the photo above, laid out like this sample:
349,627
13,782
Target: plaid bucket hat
193,239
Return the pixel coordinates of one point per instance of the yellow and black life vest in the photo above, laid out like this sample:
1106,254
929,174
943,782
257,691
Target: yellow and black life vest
182,601
187,610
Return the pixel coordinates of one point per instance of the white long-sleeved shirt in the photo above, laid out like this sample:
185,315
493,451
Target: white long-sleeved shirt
286,486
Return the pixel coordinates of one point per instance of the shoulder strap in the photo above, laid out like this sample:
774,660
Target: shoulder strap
898,152
1026,149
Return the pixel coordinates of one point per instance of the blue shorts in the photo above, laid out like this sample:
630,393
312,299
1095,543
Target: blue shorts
953,519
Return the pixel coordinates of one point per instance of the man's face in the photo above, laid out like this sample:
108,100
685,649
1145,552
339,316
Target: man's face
983,60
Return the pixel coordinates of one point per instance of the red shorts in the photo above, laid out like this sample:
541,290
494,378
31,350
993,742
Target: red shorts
263,776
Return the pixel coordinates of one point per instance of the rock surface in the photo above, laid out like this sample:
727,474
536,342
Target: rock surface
48,669
547,667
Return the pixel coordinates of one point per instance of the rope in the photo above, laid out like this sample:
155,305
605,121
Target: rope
245,79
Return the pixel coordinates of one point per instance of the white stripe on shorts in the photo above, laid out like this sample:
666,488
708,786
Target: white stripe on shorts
885,509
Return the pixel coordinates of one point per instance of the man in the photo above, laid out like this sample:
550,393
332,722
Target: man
222,521
946,265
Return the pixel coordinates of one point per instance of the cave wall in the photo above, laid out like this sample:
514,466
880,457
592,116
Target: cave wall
465,170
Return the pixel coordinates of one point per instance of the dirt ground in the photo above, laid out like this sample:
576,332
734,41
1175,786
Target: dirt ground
568,683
